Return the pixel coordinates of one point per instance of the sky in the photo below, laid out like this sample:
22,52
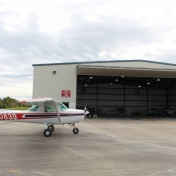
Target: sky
57,31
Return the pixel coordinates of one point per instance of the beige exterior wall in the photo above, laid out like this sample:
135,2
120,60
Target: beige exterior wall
47,84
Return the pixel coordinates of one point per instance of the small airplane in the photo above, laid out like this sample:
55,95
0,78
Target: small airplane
47,111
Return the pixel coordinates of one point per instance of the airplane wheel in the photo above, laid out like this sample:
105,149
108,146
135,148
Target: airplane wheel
51,128
47,133
75,130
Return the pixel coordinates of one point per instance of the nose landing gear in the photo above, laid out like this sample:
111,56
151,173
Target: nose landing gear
75,130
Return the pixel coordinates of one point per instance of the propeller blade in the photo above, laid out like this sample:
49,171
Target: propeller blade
85,111
85,108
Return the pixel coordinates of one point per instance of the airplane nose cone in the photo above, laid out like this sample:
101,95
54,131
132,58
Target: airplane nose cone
86,113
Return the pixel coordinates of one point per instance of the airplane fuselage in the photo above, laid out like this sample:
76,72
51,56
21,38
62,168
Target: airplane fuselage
67,117
47,111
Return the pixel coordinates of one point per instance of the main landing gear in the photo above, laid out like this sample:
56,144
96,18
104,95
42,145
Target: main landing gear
48,131
50,128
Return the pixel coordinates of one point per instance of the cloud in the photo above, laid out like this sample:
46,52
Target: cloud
73,31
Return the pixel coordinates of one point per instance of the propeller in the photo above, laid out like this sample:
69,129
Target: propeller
85,111
85,108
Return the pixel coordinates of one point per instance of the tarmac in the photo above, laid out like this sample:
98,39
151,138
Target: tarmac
128,146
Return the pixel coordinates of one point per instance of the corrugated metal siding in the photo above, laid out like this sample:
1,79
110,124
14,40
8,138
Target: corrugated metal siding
47,84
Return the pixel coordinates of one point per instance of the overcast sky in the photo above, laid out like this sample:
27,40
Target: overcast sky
53,31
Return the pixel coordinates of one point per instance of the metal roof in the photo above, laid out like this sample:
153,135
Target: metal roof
91,62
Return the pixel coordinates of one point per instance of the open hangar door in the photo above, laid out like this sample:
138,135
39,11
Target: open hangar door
119,92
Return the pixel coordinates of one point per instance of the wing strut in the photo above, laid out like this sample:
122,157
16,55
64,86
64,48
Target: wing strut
57,111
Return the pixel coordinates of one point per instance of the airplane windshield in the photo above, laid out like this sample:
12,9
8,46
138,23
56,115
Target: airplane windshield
33,108
62,107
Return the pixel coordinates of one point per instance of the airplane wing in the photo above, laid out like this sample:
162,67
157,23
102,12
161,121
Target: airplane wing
36,101
43,101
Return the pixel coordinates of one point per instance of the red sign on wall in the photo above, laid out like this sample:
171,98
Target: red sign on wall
66,93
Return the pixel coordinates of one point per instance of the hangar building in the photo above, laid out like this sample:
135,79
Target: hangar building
135,85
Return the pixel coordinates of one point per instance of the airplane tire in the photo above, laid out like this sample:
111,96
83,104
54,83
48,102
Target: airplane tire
47,133
75,130
51,128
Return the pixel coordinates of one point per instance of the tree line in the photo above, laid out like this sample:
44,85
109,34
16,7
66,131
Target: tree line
8,102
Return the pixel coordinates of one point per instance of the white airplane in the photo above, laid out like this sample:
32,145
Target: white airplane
47,111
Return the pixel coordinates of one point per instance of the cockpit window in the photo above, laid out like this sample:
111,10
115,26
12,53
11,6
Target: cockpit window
33,108
62,107
49,109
